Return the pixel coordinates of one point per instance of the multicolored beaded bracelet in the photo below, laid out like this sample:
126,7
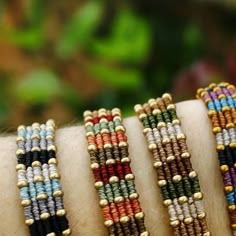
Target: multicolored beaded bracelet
38,180
221,103
178,181
114,180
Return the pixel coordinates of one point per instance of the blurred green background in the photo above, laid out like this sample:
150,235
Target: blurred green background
58,58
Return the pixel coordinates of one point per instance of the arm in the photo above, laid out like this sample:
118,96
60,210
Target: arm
81,200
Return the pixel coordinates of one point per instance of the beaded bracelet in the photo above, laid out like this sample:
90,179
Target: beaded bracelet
114,180
38,181
221,103
178,181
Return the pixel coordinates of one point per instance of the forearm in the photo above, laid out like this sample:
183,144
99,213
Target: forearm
81,199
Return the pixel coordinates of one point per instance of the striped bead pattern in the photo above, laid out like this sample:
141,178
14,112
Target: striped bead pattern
221,103
177,179
38,180
114,180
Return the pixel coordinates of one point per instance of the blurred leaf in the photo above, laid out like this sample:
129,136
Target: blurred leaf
192,36
28,39
79,29
116,77
130,39
38,87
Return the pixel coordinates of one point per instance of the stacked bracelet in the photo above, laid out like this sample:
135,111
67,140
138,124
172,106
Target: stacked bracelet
114,180
178,181
221,102
38,180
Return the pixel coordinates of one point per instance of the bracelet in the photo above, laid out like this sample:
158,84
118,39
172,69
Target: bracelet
178,181
221,103
114,180
38,180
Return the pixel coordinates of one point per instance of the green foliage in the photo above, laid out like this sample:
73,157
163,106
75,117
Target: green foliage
78,31
124,79
192,36
129,40
38,87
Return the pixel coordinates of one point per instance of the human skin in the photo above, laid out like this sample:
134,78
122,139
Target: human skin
81,199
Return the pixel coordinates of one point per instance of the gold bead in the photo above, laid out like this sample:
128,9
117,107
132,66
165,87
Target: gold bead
38,178
185,155
20,167
224,168
107,145
125,160
176,122
197,196
167,96
200,90
42,196
232,207
216,130
22,183
226,108
116,111
20,138
201,216
170,159
188,220
104,131
61,212
35,136
146,130
142,116
44,216
52,161
220,147
124,219
193,174
232,145
181,136
145,233
161,125
212,85
21,127
138,108
152,146
110,161
174,223
51,234
139,215
94,166
35,149
52,148
233,226
120,128
167,202
20,151
54,176
119,199
36,164
87,113
25,202
129,177
29,222
166,140
156,111
183,199
123,144
228,189
58,193
88,123
103,203
113,179
177,178
171,107
211,113
221,96
89,134
108,223
66,232
162,183
157,164
207,234
133,196
98,184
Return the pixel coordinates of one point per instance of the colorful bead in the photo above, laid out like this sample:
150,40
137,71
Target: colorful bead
114,180
40,190
178,181
220,101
